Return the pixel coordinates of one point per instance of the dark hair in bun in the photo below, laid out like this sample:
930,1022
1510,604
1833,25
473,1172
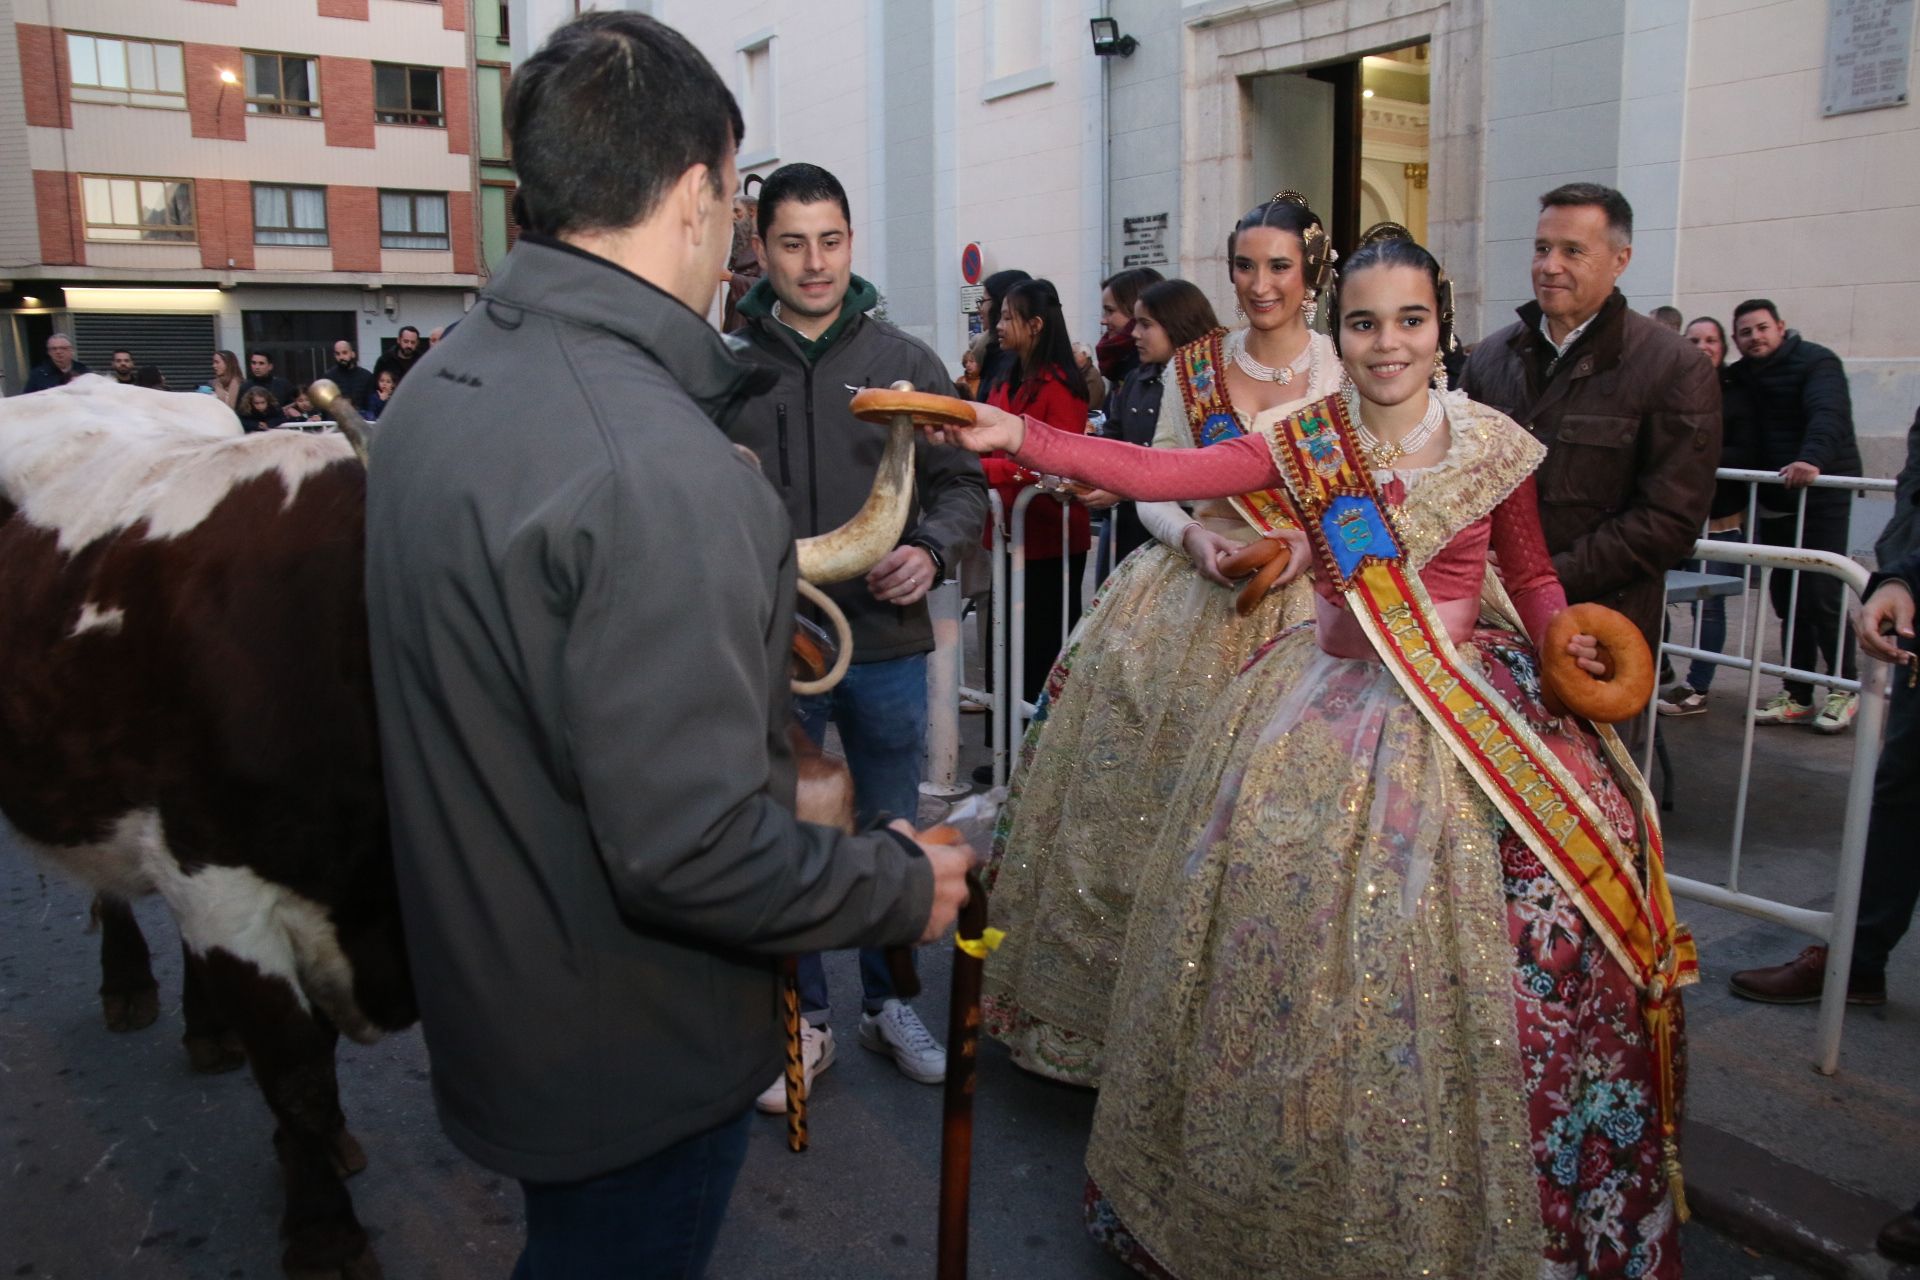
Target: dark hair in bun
1388,244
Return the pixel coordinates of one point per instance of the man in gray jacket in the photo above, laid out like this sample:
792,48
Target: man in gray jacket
580,601
806,323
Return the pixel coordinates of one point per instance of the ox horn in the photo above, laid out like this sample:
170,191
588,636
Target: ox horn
326,397
858,545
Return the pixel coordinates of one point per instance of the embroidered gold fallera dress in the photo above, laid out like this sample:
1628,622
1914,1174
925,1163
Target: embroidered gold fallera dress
1358,1030
1130,693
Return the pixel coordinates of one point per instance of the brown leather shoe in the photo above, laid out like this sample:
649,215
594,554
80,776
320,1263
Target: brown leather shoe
1900,1239
1798,981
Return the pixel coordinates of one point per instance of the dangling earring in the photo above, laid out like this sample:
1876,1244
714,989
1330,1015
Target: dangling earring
1239,312
1310,308
1439,372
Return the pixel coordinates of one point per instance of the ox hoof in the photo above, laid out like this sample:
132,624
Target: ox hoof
349,1157
133,1010
212,1055
363,1266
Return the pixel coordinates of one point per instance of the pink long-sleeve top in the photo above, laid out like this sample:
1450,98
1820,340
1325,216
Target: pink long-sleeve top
1452,577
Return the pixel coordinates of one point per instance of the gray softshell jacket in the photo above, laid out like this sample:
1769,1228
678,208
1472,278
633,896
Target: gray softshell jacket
580,600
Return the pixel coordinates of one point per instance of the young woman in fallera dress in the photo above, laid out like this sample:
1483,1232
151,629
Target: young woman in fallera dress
1134,687
1368,1022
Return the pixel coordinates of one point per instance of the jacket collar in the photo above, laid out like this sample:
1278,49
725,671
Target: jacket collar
557,279
1597,348
758,305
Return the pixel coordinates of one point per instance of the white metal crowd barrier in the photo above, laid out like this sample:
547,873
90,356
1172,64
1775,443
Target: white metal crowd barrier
1835,927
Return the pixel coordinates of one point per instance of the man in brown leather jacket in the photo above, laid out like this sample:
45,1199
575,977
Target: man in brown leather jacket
1630,414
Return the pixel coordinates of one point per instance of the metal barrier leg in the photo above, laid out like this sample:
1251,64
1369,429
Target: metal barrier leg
943,695
1870,724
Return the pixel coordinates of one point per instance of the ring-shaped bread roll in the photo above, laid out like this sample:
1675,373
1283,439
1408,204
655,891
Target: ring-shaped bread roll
883,404
1622,695
1266,559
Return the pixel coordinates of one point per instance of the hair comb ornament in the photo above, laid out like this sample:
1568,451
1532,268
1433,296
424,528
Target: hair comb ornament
1383,231
1290,196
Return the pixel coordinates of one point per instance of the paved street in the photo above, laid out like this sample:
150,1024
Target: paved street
120,1162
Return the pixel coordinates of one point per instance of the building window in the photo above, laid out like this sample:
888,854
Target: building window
126,73
282,84
150,209
407,95
756,94
1017,47
289,215
506,24
413,220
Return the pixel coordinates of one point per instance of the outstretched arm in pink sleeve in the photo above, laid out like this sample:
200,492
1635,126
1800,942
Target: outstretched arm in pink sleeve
1525,567
1151,475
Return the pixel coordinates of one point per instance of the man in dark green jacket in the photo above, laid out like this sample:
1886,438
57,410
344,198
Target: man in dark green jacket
580,602
806,324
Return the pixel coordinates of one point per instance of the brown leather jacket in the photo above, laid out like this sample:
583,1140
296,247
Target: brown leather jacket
1631,420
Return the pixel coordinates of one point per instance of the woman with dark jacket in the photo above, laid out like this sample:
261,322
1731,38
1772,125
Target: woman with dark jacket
1167,315
1042,381
1115,352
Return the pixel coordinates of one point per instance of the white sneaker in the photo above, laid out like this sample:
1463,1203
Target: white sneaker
897,1030
1683,700
1838,713
1782,709
816,1050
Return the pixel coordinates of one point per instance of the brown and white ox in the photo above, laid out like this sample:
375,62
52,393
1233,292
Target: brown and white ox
186,709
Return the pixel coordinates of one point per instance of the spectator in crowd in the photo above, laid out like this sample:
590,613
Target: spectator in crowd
60,367
582,686
1090,374
1902,533
1668,316
1116,350
967,385
260,365
1726,520
997,365
807,323
260,409
302,410
1629,413
1802,428
407,350
383,386
228,382
1046,384
149,375
346,373
1167,315
123,365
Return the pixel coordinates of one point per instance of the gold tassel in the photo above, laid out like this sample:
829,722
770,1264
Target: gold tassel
796,1065
1658,1011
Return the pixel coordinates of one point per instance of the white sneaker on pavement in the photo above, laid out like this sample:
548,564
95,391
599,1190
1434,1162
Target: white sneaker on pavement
898,1032
816,1050
1783,709
1840,709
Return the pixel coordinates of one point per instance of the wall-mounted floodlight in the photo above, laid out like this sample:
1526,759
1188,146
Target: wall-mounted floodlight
1107,40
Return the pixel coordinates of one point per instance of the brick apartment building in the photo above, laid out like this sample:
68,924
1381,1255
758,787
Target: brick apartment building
182,176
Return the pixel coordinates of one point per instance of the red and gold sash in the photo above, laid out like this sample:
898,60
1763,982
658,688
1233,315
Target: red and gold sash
1358,549
1210,417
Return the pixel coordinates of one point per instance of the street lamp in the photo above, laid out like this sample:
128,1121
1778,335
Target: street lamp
227,77
1107,40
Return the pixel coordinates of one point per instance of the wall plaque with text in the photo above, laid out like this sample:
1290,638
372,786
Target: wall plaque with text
1869,47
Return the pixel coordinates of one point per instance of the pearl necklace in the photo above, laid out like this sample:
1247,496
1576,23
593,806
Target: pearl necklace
1282,375
1385,454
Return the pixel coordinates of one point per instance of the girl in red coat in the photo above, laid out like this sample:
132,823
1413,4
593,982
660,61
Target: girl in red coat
1044,384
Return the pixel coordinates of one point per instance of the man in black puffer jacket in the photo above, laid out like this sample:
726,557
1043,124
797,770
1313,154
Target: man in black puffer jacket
1802,427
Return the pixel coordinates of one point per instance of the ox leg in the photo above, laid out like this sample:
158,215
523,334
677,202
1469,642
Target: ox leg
212,1045
291,1051
129,997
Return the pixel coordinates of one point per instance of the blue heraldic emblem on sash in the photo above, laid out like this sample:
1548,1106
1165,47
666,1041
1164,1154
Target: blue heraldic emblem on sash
1356,532
1218,427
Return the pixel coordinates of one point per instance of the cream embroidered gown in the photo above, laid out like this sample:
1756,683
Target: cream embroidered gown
1132,691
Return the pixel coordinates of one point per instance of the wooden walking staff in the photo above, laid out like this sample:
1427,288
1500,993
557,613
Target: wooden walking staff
972,940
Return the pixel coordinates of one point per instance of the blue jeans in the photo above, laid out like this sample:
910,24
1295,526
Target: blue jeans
1713,613
881,710
656,1219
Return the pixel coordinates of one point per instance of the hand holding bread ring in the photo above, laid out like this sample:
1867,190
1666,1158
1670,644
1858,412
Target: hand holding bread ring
1273,560
1595,664
983,429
